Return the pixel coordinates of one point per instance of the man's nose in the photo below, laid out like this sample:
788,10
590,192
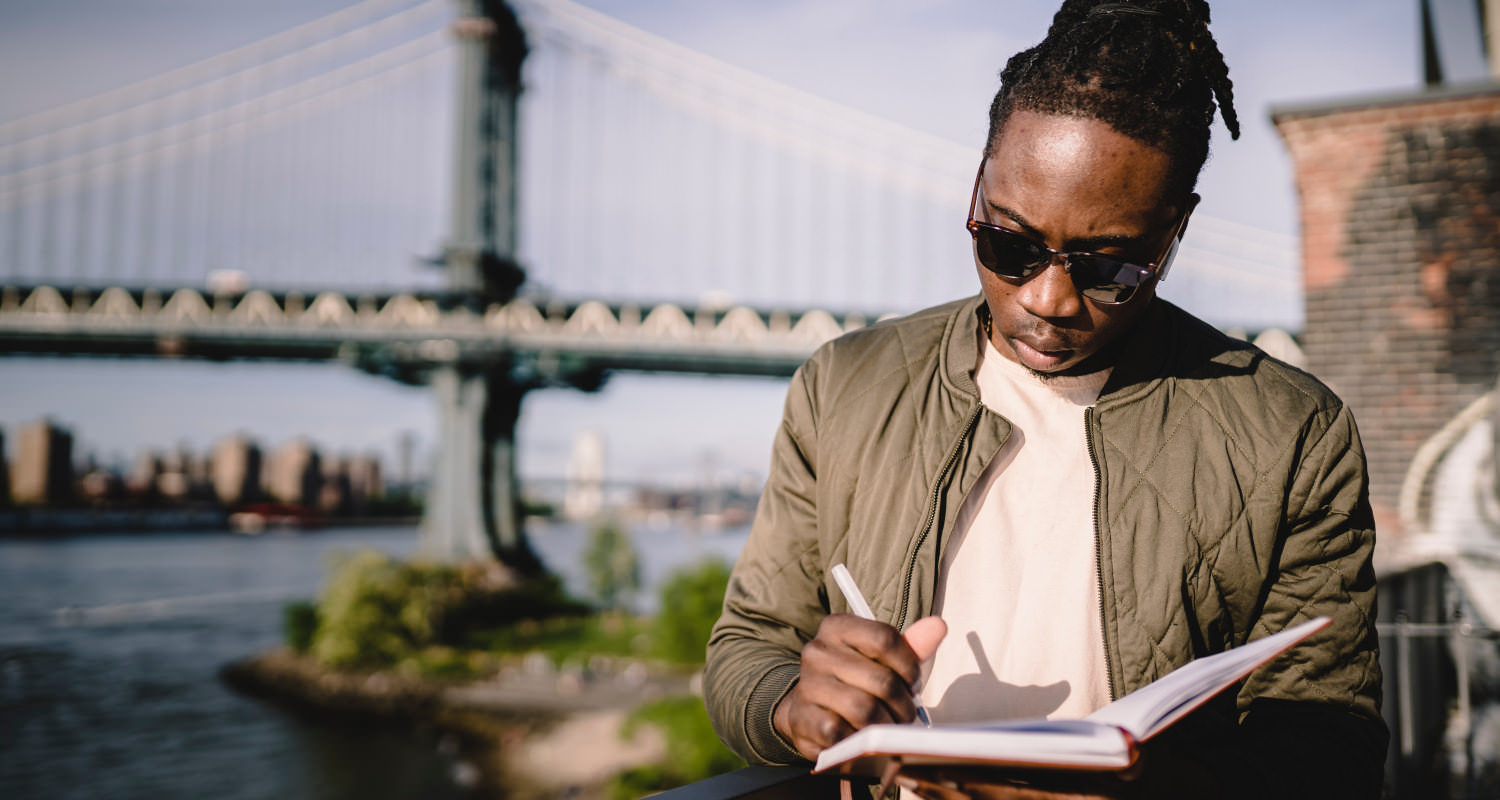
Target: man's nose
1050,293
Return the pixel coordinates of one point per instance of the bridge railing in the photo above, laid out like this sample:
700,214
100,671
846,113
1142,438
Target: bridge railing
759,783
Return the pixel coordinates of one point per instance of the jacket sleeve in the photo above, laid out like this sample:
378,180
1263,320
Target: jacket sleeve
774,601
1309,723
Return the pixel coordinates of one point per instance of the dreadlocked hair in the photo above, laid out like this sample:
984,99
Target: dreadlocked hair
1150,69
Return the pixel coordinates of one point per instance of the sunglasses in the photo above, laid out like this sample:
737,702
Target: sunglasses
1106,280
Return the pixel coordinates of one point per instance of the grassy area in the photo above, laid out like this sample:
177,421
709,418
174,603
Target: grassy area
463,622
378,613
696,752
565,639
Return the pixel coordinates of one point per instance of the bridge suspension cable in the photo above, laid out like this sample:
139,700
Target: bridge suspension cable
859,212
192,172
165,107
648,172
319,37
271,108
744,101
706,183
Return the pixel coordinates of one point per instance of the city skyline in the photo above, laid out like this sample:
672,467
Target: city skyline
403,463
83,455
839,50
40,464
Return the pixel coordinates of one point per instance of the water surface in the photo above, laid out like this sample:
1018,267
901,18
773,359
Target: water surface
110,648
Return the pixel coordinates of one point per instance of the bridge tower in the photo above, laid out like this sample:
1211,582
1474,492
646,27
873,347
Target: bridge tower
473,506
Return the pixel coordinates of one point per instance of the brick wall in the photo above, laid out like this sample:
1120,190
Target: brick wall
1401,264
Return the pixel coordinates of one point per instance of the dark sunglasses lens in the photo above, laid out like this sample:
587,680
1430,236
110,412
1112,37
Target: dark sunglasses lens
1105,279
1007,254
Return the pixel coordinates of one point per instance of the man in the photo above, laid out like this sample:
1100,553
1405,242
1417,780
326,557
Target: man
1088,486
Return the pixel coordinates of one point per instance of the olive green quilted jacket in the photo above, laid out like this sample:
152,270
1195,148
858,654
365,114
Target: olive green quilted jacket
1230,503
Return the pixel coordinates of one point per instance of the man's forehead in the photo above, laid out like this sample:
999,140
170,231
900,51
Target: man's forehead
1043,165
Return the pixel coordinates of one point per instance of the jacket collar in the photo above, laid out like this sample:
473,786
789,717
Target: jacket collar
960,347
1145,354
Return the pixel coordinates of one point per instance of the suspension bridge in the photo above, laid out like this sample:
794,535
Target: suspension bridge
492,198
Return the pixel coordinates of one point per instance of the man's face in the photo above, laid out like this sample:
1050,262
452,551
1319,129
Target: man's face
1074,184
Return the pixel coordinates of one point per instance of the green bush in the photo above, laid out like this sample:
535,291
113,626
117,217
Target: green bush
438,662
691,600
299,623
695,750
376,612
570,638
613,567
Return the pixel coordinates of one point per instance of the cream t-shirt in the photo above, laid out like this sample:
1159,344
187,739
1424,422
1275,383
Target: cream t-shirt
1019,581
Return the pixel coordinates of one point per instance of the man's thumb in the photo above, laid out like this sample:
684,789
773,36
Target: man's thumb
924,635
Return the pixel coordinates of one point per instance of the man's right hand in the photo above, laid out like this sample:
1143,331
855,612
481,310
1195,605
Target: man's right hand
855,672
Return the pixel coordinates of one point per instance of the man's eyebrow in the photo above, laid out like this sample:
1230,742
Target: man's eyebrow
1080,245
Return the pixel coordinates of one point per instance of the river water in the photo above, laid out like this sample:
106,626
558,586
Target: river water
110,647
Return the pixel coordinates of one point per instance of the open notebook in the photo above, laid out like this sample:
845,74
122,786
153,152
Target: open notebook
1104,740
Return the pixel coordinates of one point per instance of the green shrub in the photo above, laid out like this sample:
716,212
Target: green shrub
485,606
613,567
299,623
376,612
437,662
564,638
695,750
691,600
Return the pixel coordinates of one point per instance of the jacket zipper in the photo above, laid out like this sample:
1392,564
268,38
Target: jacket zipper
1088,436
937,490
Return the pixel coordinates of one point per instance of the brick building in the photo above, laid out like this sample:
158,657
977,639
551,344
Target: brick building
1400,201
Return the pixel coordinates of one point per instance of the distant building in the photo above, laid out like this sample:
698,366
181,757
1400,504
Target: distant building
43,474
366,481
100,487
144,471
406,457
174,481
199,471
334,496
234,470
294,473
585,493
4,474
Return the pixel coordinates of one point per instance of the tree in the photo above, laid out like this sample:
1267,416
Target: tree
614,568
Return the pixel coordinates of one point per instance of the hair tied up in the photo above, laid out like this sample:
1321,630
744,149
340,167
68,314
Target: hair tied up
1112,9
1150,69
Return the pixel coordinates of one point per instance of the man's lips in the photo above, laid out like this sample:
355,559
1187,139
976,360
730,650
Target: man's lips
1042,356
1045,346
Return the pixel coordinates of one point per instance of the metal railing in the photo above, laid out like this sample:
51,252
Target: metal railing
1413,691
758,783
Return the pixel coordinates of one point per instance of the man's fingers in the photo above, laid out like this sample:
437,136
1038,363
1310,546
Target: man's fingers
854,704
814,728
870,683
924,636
855,672
875,641
806,722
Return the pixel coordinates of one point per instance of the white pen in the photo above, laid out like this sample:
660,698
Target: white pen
856,600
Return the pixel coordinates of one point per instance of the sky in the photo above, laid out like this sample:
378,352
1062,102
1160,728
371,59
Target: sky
931,65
